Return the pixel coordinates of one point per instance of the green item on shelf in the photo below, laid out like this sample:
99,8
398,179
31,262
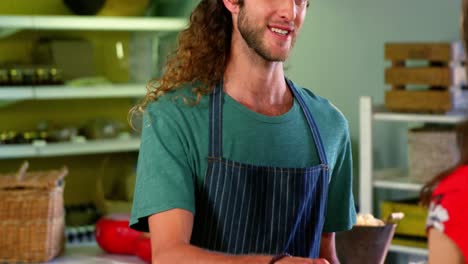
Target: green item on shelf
6,103
170,8
409,242
414,223
89,81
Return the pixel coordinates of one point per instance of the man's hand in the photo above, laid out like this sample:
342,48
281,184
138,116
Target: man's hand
170,241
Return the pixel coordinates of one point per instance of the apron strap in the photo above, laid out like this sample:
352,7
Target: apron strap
216,122
312,124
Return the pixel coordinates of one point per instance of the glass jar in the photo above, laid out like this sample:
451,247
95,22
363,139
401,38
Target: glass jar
4,80
29,77
42,76
16,77
55,76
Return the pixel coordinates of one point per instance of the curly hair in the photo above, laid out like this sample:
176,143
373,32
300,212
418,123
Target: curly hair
201,56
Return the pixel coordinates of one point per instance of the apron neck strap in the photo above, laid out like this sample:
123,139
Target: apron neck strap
216,122
311,121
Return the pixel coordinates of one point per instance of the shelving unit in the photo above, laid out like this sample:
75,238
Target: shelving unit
396,179
91,253
92,23
14,23
71,92
153,27
69,148
408,250
390,178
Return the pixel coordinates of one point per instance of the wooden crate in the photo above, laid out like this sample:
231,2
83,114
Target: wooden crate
437,52
398,77
443,71
419,101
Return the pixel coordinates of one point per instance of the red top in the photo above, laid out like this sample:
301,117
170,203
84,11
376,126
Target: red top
448,209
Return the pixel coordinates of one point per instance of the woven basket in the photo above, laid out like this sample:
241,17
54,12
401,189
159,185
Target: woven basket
432,150
32,224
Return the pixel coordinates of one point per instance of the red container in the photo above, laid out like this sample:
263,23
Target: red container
114,236
143,249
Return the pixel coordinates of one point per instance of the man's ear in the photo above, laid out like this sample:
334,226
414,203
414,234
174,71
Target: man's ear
232,6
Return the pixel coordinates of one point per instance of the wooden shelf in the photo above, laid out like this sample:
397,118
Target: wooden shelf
396,179
19,22
408,250
70,148
453,117
71,92
91,253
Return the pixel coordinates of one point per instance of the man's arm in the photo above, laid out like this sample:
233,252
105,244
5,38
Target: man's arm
170,243
327,248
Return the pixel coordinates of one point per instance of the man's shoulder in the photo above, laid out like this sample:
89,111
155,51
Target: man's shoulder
319,104
310,96
179,100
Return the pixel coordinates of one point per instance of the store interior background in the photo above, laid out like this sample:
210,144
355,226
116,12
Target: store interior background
338,55
84,170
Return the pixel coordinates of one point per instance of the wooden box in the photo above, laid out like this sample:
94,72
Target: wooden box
419,101
437,80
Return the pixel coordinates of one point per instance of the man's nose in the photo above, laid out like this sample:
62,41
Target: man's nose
287,9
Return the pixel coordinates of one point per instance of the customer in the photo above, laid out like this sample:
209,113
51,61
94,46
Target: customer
446,223
253,169
447,198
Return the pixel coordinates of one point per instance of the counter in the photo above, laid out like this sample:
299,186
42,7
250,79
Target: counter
92,254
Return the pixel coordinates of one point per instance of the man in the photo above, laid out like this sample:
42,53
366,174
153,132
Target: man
237,164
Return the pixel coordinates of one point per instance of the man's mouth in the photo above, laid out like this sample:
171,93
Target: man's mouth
279,31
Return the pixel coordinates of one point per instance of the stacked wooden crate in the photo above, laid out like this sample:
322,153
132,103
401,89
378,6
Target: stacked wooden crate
434,87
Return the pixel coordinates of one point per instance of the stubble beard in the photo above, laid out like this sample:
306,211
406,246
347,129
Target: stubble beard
253,38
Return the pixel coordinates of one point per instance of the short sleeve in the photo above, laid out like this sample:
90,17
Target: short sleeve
448,214
164,178
341,212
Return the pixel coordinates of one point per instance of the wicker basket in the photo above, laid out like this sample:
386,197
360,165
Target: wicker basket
32,224
432,150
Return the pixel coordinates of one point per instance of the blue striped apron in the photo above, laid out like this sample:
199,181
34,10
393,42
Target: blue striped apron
247,209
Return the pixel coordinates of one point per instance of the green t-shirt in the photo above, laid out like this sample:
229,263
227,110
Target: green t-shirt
174,150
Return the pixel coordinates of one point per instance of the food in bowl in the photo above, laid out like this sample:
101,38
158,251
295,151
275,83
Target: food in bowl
368,220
